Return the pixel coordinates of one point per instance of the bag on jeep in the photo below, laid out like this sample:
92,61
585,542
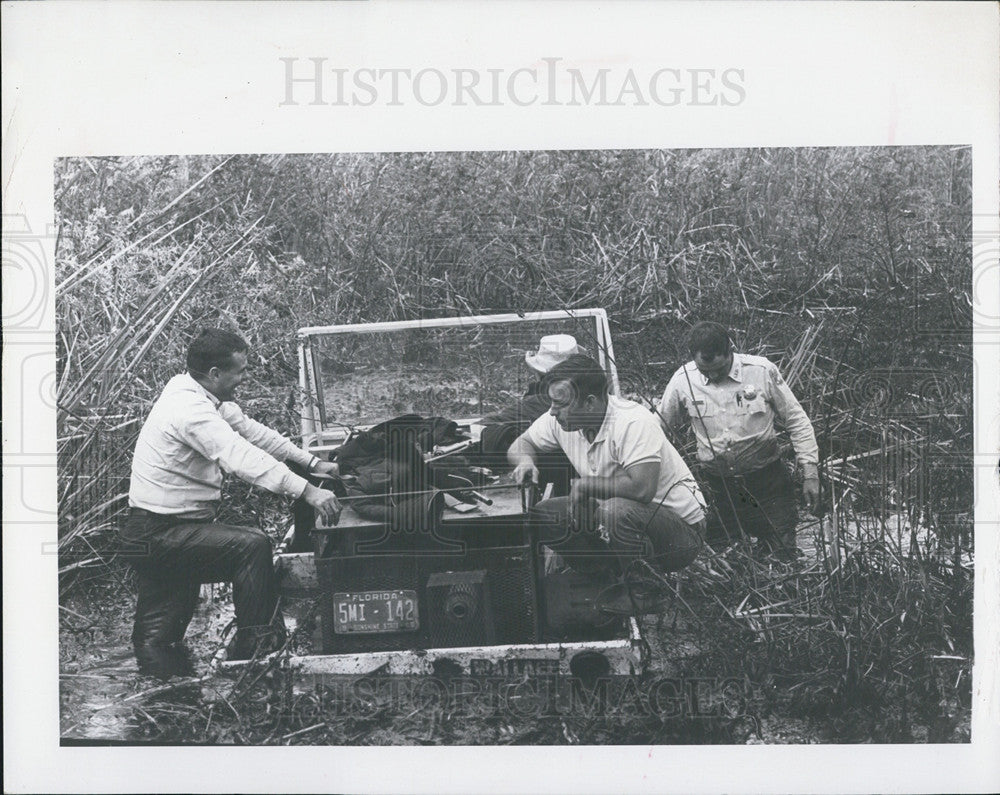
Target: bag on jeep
388,460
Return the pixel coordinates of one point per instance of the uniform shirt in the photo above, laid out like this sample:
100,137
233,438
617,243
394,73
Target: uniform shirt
734,419
189,437
629,435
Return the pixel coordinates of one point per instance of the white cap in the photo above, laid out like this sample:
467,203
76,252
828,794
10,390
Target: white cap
552,349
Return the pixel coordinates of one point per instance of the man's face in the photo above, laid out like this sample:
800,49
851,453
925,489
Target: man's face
714,367
572,412
225,381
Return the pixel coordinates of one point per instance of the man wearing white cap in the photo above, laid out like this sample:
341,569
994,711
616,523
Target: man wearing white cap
502,428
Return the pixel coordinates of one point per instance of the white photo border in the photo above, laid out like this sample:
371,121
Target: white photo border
90,78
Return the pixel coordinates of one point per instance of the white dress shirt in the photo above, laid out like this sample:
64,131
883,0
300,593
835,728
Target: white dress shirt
189,437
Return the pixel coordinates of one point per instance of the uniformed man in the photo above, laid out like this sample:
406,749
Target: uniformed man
733,402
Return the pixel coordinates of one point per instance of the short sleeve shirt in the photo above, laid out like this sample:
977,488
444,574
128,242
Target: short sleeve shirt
629,435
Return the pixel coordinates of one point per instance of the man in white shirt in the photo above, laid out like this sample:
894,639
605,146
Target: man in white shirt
634,498
192,433
732,402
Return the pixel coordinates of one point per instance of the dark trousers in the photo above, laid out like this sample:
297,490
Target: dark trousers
172,558
761,504
616,532
556,469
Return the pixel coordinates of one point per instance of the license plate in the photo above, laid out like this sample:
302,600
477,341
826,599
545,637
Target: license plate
375,611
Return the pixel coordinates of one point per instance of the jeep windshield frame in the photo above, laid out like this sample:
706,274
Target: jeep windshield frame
356,375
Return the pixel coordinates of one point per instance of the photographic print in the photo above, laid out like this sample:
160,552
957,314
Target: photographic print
449,397
395,299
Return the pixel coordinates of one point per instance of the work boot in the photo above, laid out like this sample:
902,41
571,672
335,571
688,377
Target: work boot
633,599
783,548
163,660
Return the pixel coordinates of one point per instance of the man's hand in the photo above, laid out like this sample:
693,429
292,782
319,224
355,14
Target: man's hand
524,470
326,468
521,456
325,502
810,493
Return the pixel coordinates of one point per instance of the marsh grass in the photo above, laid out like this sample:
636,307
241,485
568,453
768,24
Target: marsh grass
851,268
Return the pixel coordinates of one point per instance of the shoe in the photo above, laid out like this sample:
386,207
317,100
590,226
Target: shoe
183,660
786,555
163,660
622,600
783,550
571,606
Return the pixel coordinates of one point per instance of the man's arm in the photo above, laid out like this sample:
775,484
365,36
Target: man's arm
523,452
522,455
637,482
267,439
274,443
800,431
671,409
639,448
205,430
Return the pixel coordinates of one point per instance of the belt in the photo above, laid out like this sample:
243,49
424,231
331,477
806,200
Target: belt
142,512
181,517
735,475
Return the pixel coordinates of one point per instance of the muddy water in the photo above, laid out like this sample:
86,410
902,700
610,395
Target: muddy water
92,700
99,675
103,696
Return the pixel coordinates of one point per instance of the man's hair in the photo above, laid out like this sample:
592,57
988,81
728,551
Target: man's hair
709,339
584,374
214,347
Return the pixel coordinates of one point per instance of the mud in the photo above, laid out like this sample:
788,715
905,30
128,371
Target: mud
104,698
98,672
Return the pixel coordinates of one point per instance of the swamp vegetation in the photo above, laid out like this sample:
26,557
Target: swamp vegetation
851,268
